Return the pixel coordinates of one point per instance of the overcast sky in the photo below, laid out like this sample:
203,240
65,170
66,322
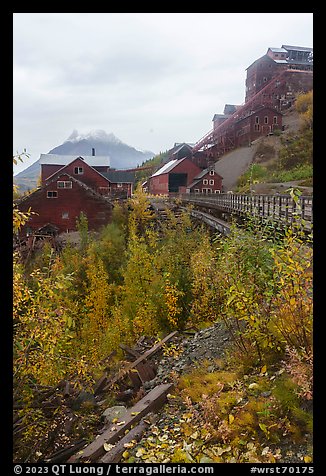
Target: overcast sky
151,79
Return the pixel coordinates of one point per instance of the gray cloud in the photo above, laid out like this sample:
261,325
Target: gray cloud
152,79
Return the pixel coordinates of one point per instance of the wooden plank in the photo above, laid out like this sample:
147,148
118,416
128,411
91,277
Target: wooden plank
114,455
62,455
131,352
145,371
149,403
140,359
100,384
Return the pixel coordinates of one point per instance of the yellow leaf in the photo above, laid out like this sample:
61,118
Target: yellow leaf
263,369
307,459
107,446
125,454
292,302
231,419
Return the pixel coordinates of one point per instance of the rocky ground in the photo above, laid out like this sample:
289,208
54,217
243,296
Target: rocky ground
183,430
174,437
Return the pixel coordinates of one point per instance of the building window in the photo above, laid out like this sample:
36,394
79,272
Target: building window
266,119
104,190
276,55
51,194
65,215
257,120
64,184
275,120
217,191
205,182
78,170
211,172
257,127
196,190
211,182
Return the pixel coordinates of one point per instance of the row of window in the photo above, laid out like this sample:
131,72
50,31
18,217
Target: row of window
211,182
266,120
68,184
206,190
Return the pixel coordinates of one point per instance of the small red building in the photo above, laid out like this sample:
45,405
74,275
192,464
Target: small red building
60,201
173,177
72,185
208,181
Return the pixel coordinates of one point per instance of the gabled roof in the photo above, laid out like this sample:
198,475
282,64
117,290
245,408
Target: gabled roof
167,167
202,174
230,108
69,163
92,160
177,144
268,58
78,182
221,116
179,147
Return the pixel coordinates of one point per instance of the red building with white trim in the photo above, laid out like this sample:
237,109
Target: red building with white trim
72,185
208,181
60,201
173,177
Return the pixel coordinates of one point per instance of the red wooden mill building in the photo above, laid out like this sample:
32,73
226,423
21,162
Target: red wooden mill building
272,84
71,185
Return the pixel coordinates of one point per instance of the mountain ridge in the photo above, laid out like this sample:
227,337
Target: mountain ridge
122,156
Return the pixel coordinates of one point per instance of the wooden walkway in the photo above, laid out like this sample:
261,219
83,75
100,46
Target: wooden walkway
280,209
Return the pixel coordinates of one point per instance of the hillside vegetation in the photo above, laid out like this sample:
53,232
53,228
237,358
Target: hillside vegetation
138,278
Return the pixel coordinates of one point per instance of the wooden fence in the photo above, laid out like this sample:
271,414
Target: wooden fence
282,209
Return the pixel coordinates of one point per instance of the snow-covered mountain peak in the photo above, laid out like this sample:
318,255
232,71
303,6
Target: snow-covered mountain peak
95,134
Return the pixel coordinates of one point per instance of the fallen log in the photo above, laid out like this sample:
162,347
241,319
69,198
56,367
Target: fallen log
151,402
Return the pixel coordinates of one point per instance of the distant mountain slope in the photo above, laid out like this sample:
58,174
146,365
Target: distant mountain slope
122,155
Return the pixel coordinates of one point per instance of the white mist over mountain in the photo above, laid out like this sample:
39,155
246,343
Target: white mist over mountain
122,156
94,134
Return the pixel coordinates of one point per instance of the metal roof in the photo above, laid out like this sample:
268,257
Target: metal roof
296,48
166,167
92,160
119,176
278,50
